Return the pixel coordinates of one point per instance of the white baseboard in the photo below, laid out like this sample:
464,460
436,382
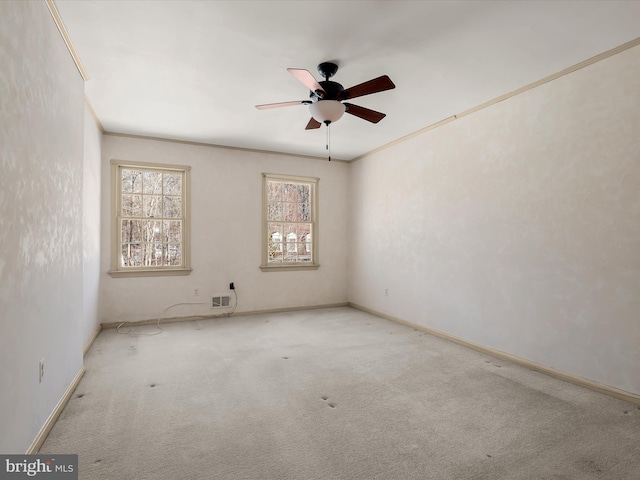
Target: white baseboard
91,340
568,377
211,317
48,425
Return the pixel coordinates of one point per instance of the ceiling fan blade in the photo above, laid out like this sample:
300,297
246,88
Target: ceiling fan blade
364,113
305,77
376,85
282,104
313,123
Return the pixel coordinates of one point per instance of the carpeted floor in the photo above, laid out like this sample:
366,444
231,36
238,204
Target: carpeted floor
331,394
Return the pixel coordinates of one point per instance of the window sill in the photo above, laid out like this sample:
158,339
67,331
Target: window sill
150,272
287,268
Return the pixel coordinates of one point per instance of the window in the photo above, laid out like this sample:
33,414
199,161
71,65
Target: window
276,241
150,205
292,246
290,223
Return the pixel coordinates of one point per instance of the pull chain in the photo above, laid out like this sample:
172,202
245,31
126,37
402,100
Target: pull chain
329,140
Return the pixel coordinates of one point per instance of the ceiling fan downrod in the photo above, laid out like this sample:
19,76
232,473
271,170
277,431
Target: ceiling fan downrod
327,70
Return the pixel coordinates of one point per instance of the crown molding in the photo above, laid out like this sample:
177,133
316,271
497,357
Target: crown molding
203,144
67,40
530,86
555,76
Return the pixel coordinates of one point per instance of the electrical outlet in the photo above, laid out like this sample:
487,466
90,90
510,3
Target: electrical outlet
41,371
196,292
386,292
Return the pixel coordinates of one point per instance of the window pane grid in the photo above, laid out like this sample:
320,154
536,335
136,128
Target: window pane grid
289,222
151,227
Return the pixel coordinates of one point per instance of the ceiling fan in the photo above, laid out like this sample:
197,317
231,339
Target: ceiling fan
327,104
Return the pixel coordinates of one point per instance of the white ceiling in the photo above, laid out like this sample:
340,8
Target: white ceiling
194,70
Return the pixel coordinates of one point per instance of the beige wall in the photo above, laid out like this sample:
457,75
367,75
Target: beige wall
517,227
41,252
91,221
226,223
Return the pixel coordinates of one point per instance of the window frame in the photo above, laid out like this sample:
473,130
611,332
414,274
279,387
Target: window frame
314,264
118,270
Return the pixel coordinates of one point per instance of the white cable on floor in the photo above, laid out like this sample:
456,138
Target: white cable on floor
131,331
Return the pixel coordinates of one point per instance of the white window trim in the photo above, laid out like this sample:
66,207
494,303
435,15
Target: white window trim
315,200
116,269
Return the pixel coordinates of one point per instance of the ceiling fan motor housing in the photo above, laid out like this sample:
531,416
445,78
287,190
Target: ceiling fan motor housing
332,89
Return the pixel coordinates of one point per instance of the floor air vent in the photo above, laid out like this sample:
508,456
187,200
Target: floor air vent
220,301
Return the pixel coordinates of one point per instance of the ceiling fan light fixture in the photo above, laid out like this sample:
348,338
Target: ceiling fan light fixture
327,111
